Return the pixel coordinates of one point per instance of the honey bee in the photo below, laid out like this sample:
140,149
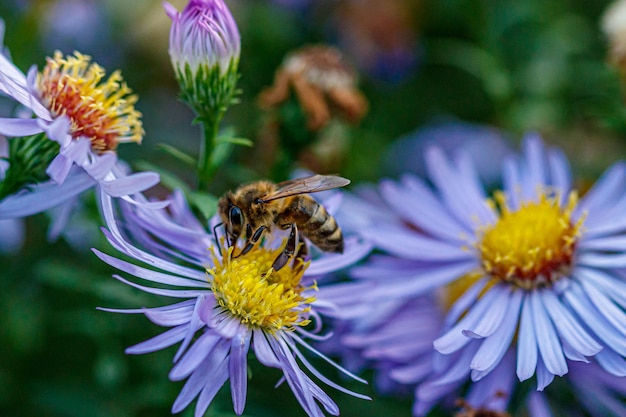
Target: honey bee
255,207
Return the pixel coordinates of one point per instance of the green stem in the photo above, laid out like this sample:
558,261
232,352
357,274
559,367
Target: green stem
209,141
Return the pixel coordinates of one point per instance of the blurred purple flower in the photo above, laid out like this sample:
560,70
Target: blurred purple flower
407,153
533,261
229,302
70,25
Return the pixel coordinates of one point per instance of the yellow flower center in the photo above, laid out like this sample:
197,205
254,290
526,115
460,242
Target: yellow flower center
102,111
260,297
533,245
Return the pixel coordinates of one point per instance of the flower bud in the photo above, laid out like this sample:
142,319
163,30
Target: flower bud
204,48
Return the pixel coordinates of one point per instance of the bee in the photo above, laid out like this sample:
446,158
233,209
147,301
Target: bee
256,207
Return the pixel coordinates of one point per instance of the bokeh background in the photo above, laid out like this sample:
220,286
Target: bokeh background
472,74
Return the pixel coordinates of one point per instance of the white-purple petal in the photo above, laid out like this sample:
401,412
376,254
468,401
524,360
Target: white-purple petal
498,311
454,339
12,127
604,192
579,302
612,363
547,339
238,369
194,356
416,204
355,250
400,242
610,312
568,327
130,184
208,375
493,348
527,343
44,196
161,341
544,376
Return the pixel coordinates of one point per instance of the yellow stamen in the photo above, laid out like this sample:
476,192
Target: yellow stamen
102,111
260,297
533,245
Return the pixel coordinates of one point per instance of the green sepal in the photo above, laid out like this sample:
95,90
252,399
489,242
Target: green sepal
208,91
28,159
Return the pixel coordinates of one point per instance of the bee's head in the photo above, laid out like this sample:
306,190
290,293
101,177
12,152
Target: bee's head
232,216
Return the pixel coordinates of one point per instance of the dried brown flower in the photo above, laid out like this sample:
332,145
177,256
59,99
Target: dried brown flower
323,82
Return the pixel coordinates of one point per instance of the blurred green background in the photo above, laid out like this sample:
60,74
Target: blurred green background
514,65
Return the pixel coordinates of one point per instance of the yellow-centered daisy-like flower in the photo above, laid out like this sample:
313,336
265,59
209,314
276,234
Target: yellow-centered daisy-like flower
260,297
533,245
231,304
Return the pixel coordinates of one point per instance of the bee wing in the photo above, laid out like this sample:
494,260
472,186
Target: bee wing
306,185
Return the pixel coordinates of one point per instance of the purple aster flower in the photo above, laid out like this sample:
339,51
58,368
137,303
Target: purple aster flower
396,340
204,49
534,270
231,303
86,116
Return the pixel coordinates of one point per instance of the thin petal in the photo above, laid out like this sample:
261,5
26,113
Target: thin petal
209,375
238,369
454,339
417,204
527,343
579,302
44,196
149,274
59,168
19,127
548,342
400,242
166,339
497,344
612,362
490,322
131,184
197,353
568,327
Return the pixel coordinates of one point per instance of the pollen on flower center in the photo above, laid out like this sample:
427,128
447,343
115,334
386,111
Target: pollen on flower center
102,111
533,245
260,297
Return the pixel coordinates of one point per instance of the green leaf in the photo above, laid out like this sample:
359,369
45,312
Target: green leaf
206,203
177,153
235,141
219,155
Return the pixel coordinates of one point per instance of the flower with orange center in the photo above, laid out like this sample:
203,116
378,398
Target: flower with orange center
102,111
86,115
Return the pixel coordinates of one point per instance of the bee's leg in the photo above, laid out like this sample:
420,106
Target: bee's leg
290,249
217,241
302,253
252,239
